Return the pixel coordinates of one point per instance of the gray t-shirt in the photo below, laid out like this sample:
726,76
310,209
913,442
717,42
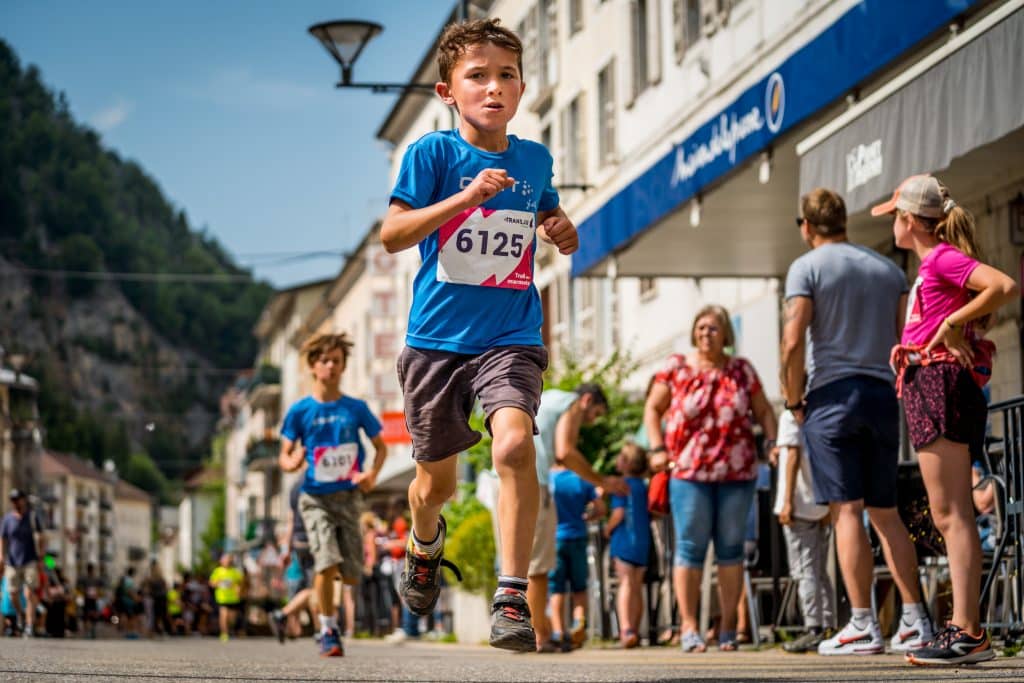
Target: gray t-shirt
856,293
553,404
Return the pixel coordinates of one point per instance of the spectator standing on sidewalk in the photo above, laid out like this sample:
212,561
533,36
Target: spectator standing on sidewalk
21,544
559,419
851,300
629,529
576,502
709,401
943,362
806,530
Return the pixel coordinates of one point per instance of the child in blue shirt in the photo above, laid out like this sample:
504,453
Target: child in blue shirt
629,528
322,432
474,200
576,502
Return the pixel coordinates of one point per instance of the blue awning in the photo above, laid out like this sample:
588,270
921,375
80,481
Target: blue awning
865,39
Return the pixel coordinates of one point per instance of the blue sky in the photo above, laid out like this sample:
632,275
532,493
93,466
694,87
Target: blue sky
230,106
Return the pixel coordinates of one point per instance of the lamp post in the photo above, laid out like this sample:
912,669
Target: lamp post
344,40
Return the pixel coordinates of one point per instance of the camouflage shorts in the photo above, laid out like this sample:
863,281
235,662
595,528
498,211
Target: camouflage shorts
332,524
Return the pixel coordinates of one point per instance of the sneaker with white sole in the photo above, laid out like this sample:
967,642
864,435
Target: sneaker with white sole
953,646
912,636
854,641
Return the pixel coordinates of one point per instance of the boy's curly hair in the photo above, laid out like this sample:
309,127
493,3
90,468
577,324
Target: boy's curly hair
317,345
458,38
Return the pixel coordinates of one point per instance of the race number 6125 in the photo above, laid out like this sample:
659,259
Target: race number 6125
502,243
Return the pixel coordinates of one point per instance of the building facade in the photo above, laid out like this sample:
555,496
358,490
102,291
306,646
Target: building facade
77,501
20,438
685,131
133,522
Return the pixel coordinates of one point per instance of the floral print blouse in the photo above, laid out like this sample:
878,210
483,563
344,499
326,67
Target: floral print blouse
708,424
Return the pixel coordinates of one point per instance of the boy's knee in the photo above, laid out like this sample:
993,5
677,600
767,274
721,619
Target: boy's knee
513,450
434,496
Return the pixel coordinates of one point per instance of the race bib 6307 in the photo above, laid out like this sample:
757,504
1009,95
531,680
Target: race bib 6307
488,248
335,463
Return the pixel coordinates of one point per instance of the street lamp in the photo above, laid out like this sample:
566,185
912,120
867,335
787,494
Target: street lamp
345,40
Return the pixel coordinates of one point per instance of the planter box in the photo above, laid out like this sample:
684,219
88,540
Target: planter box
471,617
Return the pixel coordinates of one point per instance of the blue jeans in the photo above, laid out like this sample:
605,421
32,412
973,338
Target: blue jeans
702,511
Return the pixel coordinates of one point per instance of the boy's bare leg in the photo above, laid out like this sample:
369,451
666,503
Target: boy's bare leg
323,586
518,497
557,615
519,494
434,484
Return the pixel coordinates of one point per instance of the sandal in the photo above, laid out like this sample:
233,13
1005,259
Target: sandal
630,640
691,642
727,641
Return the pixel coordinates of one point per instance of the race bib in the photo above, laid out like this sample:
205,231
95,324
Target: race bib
335,463
487,248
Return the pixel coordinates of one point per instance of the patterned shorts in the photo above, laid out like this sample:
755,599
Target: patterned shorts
942,400
332,524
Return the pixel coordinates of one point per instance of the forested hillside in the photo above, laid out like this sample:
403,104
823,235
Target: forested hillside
129,368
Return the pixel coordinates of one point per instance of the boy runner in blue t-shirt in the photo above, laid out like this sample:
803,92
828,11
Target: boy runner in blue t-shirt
474,200
322,431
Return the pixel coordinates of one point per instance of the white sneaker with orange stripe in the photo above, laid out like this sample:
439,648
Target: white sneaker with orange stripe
854,640
911,636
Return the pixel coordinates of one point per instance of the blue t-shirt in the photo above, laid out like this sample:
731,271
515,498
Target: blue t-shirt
330,434
631,539
571,494
19,539
474,290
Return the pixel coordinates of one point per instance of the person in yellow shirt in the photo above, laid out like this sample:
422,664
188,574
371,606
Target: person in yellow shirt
174,610
226,581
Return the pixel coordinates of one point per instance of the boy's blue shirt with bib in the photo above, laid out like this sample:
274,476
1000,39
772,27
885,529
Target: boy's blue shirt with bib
474,290
330,434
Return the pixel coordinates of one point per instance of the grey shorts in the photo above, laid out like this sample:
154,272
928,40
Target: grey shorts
332,525
440,388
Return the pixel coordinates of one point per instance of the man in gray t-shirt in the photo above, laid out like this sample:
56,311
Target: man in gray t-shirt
844,312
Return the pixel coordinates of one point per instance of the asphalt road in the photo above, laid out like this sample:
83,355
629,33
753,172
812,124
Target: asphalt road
261,659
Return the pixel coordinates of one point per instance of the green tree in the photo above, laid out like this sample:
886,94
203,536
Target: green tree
141,471
212,537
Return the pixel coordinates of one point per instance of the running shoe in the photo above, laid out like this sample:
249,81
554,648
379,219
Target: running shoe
951,646
510,622
277,624
854,641
911,636
330,644
805,643
420,586
224,637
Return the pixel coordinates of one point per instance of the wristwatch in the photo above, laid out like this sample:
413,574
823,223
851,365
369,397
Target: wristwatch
657,449
796,406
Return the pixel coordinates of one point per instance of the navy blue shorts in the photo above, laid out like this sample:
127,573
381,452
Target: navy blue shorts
570,572
852,433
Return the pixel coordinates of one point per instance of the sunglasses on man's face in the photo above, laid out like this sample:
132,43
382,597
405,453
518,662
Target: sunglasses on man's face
799,222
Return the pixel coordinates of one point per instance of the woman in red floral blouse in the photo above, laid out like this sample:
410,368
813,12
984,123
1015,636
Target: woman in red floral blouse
708,401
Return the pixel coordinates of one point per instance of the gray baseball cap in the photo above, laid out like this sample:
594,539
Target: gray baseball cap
920,195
